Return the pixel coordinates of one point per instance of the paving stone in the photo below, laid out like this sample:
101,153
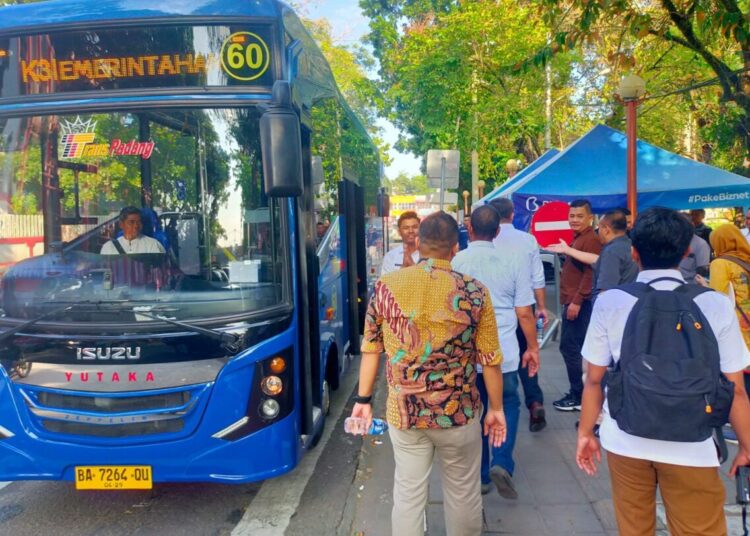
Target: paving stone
509,516
565,519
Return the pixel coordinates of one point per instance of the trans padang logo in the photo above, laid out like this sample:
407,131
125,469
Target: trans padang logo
79,137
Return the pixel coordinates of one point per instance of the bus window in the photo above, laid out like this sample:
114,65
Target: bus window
196,177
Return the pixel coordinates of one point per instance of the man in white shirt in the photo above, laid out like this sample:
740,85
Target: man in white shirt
504,274
513,241
406,254
685,472
131,241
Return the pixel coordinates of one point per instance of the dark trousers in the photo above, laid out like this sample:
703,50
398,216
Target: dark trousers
531,390
571,342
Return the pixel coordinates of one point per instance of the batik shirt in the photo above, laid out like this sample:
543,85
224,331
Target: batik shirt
434,325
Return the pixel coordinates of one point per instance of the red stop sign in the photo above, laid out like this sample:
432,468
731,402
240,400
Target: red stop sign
550,224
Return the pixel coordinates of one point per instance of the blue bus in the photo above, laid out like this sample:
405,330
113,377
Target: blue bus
169,308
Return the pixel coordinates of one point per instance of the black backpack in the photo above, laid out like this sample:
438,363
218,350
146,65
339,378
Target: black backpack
668,383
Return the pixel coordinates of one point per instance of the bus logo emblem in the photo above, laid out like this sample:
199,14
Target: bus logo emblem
108,353
76,136
78,142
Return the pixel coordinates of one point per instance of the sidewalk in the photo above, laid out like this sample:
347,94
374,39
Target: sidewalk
555,497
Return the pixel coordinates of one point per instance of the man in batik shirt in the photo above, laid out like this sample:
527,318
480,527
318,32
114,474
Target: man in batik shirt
435,326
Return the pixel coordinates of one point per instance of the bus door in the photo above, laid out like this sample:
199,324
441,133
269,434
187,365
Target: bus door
352,208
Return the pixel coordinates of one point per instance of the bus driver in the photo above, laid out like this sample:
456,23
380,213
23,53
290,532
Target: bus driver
131,241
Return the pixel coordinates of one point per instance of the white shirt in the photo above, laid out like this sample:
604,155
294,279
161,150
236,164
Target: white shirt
746,233
511,239
505,274
602,348
141,244
393,260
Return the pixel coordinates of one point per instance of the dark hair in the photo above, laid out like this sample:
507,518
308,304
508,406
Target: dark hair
129,211
661,236
484,222
504,207
698,211
585,203
408,215
438,233
625,211
616,220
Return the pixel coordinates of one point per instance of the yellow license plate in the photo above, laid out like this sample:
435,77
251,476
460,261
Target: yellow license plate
113,477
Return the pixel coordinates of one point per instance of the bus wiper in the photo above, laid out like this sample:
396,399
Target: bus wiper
229,341
12,331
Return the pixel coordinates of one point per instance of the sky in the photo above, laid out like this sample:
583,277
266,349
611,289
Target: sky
349,25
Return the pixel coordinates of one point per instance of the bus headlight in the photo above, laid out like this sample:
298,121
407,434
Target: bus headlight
270,408
272,385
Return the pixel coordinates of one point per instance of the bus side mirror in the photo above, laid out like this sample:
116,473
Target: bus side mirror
281,146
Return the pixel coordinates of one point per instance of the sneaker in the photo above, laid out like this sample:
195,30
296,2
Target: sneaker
537,421
730,436
486,488
567,403
503,482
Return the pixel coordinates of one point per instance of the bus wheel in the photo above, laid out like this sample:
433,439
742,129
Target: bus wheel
325,398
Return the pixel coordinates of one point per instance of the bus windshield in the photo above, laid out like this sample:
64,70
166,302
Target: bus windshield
131,217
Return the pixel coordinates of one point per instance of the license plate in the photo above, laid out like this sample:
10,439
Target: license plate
112,477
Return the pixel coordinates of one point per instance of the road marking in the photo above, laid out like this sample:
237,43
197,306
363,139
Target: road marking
277,501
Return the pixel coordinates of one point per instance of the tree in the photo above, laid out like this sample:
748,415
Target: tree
443,78
403,184
710,38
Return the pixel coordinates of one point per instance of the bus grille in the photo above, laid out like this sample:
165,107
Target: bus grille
115,430
112,416
111,404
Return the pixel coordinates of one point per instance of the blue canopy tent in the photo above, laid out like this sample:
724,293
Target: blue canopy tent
594,167
520,176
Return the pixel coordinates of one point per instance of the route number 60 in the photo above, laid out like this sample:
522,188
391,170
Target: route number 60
245,56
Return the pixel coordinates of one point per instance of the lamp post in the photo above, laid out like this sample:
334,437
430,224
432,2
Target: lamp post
631,91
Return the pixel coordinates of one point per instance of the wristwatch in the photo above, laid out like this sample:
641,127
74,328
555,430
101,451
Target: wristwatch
359,399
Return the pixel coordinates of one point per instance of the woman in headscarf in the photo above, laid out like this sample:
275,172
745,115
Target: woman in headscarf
730,275
730,271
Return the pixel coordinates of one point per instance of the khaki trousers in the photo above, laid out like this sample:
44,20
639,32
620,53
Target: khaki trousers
693,497
459,455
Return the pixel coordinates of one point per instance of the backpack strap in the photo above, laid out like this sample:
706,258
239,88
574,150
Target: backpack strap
739,262
638,289
118,246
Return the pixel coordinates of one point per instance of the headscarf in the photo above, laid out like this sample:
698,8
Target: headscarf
728,240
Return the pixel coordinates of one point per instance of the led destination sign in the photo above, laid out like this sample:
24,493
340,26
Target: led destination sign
43,70
135,58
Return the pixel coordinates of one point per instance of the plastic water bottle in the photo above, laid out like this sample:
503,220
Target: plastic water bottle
539,330
356,426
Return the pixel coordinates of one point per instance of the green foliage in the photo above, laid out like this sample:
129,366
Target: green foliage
403,184
443,75
673,45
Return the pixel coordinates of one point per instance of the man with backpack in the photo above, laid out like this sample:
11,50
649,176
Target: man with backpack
676,358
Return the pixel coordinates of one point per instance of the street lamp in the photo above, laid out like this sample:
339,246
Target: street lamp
631,91
512,167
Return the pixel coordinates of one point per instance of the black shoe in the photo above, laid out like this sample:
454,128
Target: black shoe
568,403
503,482
537,419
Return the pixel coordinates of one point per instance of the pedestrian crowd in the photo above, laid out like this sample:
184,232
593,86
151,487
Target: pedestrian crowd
655,331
